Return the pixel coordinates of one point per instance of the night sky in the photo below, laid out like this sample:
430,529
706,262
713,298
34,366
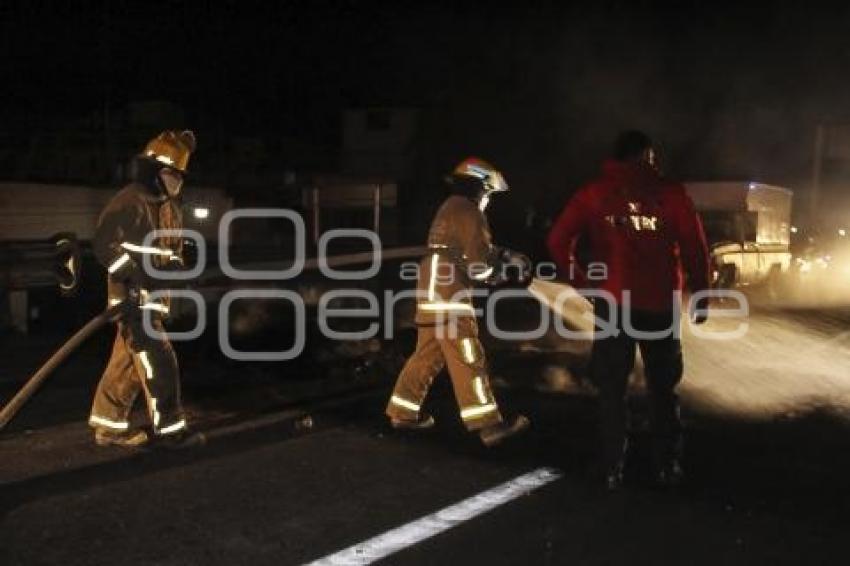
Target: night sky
730,91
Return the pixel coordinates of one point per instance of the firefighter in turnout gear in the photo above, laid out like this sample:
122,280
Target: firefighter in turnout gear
124,243
460,255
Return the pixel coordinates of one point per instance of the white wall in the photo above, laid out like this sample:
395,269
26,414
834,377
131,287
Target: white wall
34,211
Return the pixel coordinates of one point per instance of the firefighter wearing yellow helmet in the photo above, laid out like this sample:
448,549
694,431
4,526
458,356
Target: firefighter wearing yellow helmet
460,255
125,242
172,149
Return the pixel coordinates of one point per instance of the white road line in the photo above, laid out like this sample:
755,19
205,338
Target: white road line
407,535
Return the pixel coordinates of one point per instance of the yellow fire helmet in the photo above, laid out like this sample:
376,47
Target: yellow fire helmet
476,168
172,148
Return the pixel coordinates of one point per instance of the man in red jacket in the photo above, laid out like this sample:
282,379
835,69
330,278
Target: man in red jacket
642,232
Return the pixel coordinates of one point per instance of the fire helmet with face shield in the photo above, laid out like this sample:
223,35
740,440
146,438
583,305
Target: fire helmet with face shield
477,179
475,168
171,149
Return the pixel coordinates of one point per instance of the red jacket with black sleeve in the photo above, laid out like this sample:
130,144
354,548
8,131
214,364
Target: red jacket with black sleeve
642,232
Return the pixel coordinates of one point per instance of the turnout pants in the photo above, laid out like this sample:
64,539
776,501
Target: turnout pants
439,346
612,360
139,363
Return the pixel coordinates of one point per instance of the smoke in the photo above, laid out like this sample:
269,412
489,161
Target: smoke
783,367
727,98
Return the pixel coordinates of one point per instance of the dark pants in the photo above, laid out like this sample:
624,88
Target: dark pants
613,359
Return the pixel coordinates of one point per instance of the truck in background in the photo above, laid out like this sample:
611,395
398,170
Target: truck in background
748,226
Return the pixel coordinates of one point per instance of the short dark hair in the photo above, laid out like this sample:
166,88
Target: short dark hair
630,145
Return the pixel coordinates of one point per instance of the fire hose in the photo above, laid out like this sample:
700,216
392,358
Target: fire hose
560,298
33,383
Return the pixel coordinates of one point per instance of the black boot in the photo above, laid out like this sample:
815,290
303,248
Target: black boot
669,474
666,461
421,422
614,477
613,465
498,433
126,438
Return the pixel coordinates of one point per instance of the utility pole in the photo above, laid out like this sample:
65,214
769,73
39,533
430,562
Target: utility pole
820,135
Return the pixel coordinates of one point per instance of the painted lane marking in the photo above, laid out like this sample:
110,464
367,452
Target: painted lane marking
429,526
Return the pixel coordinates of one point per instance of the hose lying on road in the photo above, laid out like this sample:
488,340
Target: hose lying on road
31,386
571,306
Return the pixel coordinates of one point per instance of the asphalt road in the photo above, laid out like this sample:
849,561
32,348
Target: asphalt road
767,461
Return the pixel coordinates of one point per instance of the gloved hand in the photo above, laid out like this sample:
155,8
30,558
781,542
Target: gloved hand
522,269
513,268
175,263
699,311
128,308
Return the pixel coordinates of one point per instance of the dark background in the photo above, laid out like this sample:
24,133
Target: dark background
730,90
